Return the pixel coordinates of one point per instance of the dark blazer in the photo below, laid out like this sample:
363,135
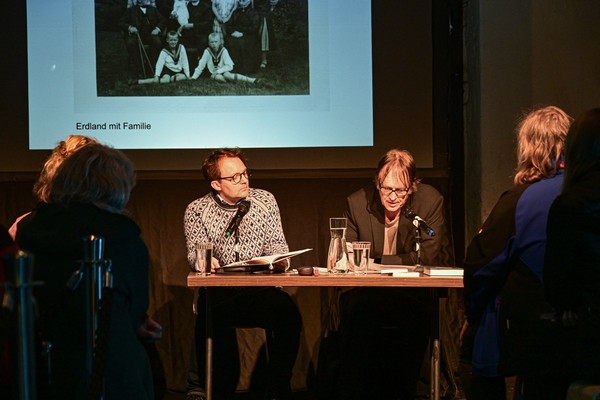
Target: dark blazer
202,17
144,22
366,221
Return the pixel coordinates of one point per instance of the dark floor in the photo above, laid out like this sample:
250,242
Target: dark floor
240,396
304,395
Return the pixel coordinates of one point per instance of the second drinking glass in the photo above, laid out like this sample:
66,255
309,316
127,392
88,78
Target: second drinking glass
361,252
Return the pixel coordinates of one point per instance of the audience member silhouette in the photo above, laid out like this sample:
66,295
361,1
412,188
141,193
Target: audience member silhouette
87,197
41,188
572,265
504,263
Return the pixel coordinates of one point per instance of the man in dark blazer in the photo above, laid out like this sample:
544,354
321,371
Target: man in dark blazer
143,25
368,218
385,330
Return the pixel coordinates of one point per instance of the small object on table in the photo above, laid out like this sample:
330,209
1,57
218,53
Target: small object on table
305,271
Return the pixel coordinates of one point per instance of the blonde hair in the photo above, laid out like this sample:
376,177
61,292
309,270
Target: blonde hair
217,35
64,149
540,143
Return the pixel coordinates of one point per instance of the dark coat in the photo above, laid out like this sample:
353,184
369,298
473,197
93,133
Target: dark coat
366,221
202,17
145,23
244,50
572,269
572,265
54,235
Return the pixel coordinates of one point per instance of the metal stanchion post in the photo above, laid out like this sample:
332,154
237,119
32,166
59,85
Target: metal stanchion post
209,347
93,257
434,393
25,319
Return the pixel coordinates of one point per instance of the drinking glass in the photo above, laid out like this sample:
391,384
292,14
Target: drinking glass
337,257
361,251
204,251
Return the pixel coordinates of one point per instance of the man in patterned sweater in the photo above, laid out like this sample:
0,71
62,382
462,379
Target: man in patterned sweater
260,233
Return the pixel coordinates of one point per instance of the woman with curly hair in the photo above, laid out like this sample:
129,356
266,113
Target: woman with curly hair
41,188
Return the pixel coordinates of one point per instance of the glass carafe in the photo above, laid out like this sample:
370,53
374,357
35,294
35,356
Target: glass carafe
337,257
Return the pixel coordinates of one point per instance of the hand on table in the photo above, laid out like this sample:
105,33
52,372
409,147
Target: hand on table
214,264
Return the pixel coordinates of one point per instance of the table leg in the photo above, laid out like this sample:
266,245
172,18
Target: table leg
209,347
434,379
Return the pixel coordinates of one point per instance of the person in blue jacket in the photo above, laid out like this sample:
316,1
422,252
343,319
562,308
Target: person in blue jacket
503,291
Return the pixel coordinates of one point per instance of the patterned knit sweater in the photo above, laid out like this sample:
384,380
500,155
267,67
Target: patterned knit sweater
260,232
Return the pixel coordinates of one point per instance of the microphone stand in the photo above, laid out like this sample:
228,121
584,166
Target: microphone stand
418,223
418,237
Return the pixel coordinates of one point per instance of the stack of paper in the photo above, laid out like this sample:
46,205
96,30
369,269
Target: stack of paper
407,274
443,271
394,270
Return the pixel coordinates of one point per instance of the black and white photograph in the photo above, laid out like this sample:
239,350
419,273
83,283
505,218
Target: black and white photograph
147,73
202,47
300,200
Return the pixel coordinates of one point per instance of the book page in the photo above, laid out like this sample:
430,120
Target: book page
268,260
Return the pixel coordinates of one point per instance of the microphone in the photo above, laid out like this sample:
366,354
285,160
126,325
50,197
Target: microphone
243,208
417,221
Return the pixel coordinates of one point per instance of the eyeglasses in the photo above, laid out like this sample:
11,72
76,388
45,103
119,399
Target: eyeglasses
236,178
399,192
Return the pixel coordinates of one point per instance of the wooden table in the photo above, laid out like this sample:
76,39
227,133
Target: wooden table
369,280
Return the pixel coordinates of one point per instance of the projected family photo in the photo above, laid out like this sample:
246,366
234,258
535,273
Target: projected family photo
202,47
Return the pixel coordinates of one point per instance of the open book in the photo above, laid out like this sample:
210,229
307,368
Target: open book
260,263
